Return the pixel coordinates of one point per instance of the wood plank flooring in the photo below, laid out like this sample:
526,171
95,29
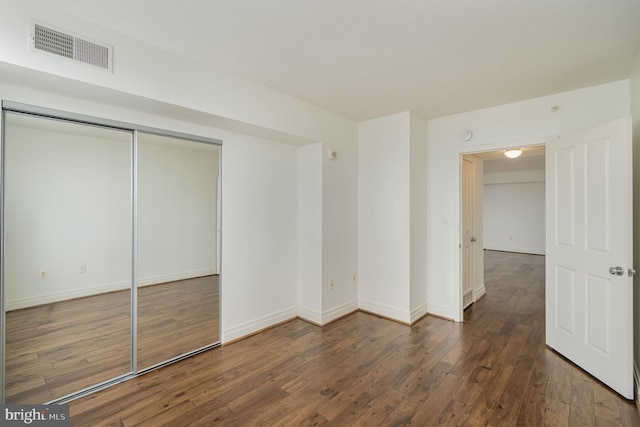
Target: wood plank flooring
362,370
60,348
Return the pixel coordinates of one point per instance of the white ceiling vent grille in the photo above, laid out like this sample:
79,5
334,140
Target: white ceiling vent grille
67,45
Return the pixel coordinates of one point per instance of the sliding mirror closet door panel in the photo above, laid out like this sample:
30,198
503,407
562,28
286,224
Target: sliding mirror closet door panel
67,257
177,262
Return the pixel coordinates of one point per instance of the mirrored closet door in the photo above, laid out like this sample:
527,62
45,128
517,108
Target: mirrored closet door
177,267
67,257
110,252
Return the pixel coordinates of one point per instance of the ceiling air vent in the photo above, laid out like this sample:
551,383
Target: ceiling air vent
67,45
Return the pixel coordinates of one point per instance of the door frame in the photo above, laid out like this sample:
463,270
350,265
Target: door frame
471,150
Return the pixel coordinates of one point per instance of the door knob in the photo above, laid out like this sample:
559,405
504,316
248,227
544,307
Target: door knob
616,271
473,240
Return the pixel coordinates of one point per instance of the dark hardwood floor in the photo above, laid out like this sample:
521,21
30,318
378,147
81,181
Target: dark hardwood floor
493,369
56,349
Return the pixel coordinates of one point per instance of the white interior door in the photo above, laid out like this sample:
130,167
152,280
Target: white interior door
468,232
589,317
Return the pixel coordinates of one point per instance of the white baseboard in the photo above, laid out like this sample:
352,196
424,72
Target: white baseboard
251,327
164,278
310,315
321,319
516,250
440,311
418,312
338,312
65,295
385,311
100,289
480,292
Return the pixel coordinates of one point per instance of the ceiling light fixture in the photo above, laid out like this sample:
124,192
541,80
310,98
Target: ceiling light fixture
513,153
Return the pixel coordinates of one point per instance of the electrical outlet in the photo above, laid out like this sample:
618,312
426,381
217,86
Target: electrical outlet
332,283
83,268
354,278
43,274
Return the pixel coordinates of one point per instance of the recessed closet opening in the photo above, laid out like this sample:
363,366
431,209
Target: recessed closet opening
110,251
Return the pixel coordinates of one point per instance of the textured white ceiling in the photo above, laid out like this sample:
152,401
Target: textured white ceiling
369,58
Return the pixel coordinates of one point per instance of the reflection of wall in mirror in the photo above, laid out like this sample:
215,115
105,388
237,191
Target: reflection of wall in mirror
177,210
67,205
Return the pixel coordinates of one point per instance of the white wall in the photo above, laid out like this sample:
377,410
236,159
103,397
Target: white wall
310,232
67,204
176,209
259,234
384,197
514,205
514,217
418,215
340,223
392,216
154,88
527,122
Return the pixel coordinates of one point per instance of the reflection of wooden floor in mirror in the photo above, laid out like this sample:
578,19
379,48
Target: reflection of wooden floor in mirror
59,348
175,319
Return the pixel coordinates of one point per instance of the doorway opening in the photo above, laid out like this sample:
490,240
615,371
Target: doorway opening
502,210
